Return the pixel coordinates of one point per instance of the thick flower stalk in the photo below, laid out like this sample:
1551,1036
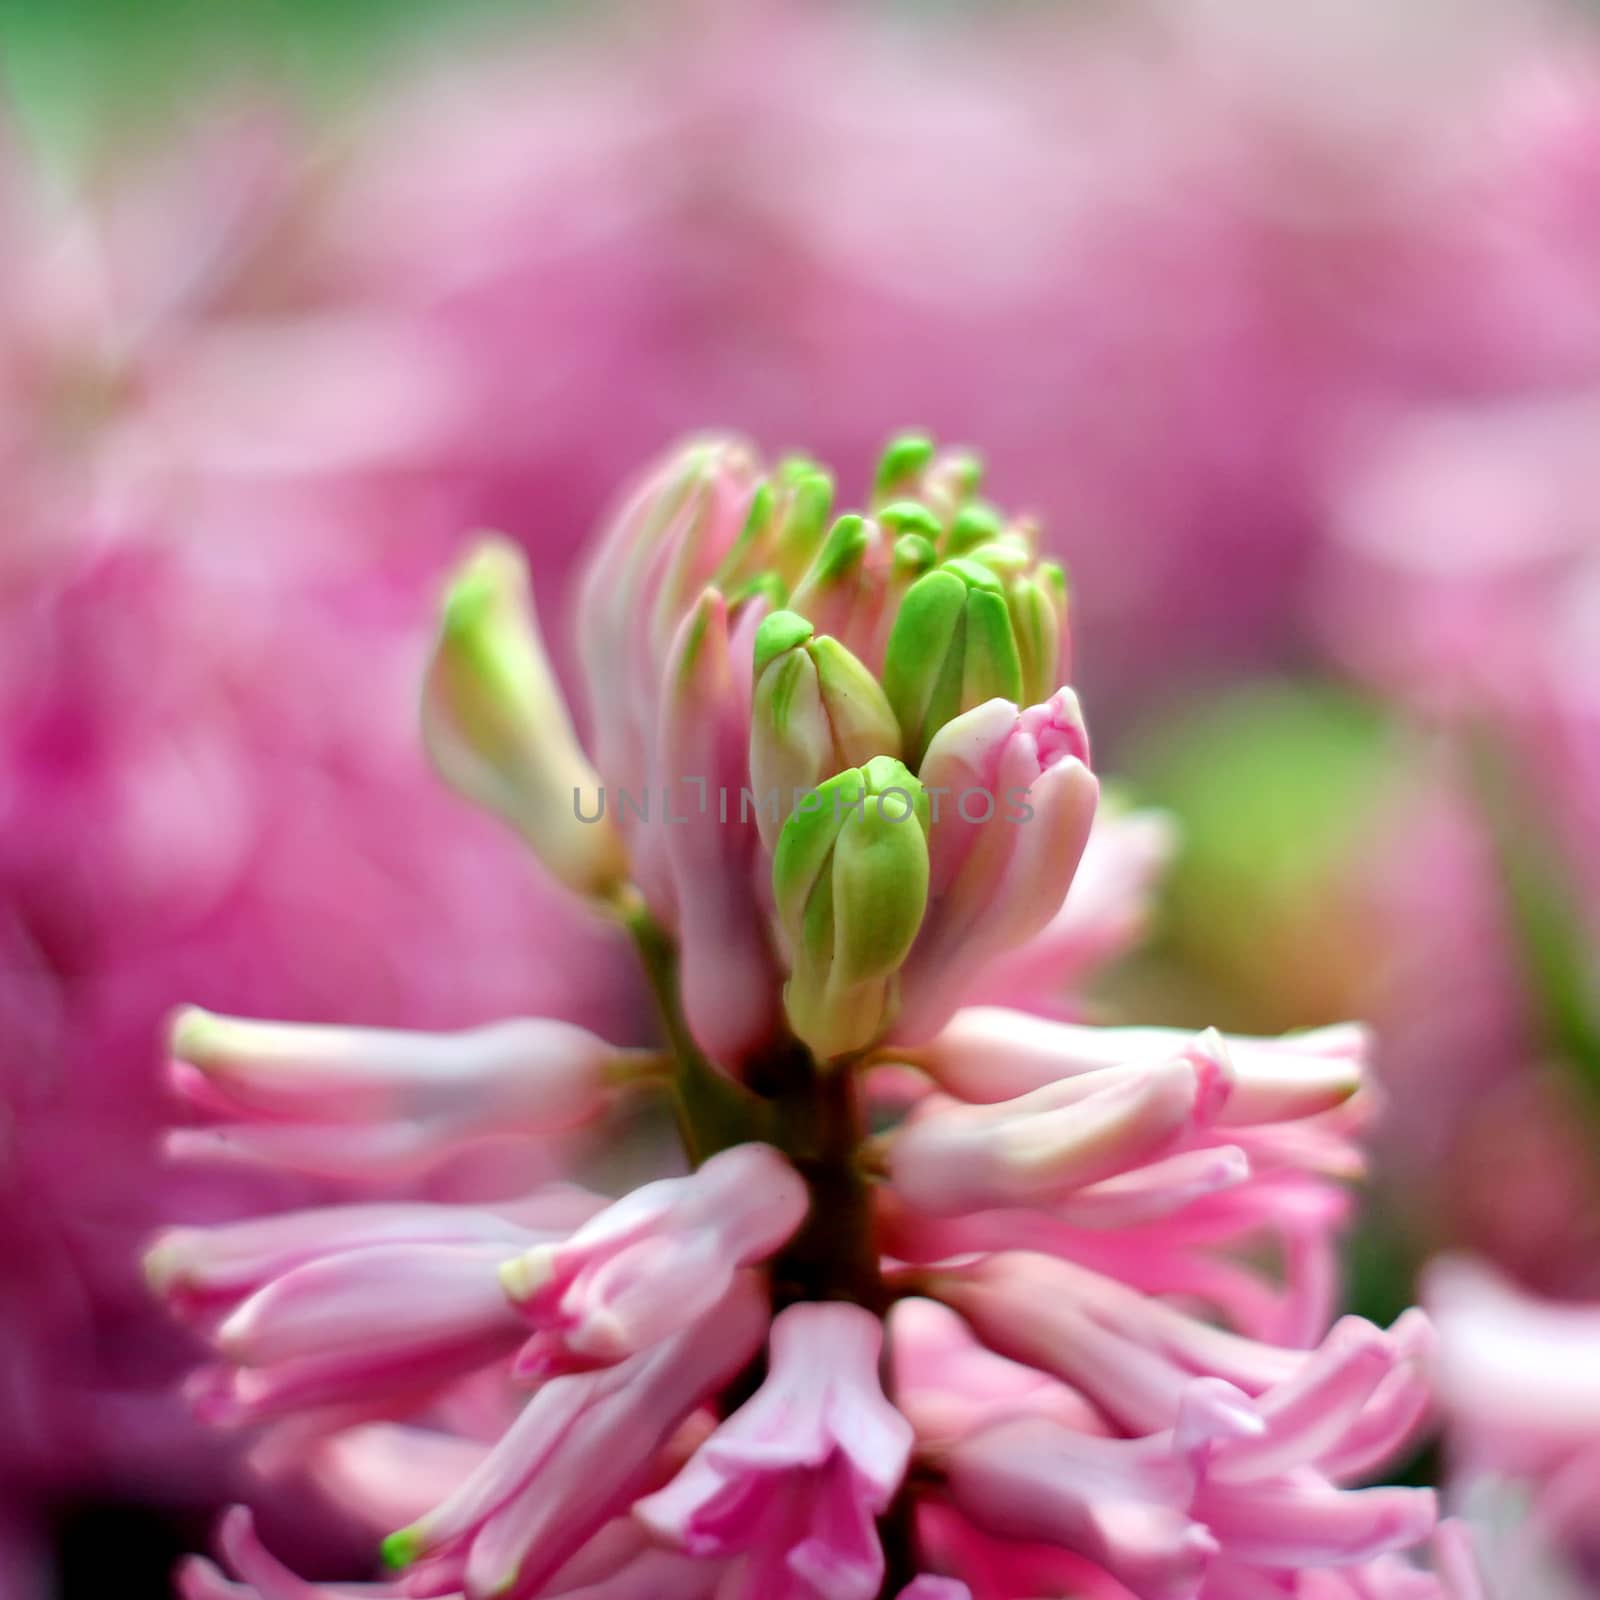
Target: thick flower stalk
956,1296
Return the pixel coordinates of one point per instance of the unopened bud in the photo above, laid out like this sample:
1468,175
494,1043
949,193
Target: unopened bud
951,648
817,711
1038,605
497,728
901,465
850,883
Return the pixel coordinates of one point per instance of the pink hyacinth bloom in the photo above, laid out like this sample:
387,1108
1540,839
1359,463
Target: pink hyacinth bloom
202,1270
794,1478
577,1453
1123,1503
1107,1274
369,1102
660,552
950,1384
1236,1482
989,1053
728,970
654,1261
387,1321
1134,1355
996,881
1044,1145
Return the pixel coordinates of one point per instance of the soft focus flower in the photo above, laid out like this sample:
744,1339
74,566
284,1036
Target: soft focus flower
234,396
1471,524
227,505
1132,1230
1521,1396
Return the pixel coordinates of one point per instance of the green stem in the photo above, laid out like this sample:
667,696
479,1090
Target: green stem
1546,917
812,1112
712,1112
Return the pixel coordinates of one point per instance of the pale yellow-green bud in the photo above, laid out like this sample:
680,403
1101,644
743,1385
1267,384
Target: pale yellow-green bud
496,725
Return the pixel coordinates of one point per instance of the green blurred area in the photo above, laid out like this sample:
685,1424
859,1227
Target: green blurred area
80,71
1274,786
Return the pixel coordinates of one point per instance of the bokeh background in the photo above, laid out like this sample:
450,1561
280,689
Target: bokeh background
1285,320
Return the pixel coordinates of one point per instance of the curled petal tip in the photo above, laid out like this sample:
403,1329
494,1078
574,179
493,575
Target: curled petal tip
525,1275
191,1032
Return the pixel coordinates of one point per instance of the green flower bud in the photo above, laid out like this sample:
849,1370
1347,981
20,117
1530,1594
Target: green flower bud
902,463
1038,605
837,564
497,729
911,517
913,555
805,502
782,532
850,884
973,526
816,711
951,648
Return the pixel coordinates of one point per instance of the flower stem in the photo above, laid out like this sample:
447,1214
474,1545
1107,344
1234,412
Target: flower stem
713,1113
812,1112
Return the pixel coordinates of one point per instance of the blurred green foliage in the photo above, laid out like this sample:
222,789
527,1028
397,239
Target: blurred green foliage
1274,787
82,71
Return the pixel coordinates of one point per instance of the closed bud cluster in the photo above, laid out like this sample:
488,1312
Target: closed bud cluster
948,1294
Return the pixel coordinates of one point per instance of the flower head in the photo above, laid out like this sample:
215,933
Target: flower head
1104,1256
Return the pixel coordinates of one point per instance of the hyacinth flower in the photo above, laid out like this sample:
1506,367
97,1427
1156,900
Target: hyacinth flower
1520,1394
944,1299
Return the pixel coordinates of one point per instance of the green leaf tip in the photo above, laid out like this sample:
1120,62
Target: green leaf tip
400,1549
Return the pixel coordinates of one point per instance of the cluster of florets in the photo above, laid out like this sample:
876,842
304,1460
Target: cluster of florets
948,1291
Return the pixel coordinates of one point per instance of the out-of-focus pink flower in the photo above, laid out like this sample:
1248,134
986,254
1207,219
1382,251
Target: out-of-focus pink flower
1106,913
227,501
1521,1401
1463,583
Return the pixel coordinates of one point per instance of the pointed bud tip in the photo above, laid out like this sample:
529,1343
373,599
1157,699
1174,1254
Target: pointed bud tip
779,631
494,568
903,457
910,517
400,1549
192,1035
974,525
523,1276
163,1264
846,544
973,574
